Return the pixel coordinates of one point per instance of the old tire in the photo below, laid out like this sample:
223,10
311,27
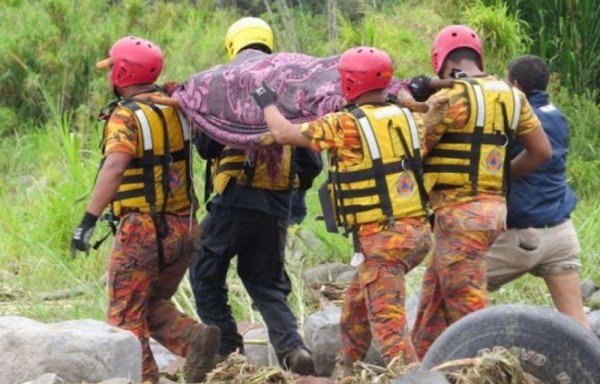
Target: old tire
551,346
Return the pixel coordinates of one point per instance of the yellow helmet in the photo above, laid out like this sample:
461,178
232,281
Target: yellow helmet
247,31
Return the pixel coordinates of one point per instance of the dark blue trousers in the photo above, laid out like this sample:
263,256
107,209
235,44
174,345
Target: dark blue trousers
258,240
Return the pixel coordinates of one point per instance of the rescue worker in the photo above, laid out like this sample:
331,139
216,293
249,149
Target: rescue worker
145,177
467,168
248,217
375,191
540,238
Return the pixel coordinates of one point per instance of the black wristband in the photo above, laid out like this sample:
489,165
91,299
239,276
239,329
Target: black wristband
89,220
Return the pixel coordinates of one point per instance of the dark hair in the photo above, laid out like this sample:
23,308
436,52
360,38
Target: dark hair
460,54
530,71
258,46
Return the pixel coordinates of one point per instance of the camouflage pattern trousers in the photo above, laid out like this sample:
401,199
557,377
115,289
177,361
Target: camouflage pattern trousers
454,284
139,290
374,302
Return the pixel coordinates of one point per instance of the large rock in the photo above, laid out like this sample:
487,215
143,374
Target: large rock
587,288
594,300
48,378
322,337
257,348
325,273
76,351
412,307
594,319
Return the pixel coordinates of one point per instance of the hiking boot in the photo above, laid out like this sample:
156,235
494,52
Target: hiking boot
299,361
201,355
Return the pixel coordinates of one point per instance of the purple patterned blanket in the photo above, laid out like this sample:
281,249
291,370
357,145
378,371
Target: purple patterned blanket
218,100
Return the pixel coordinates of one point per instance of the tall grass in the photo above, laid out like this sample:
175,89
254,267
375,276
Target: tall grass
566,32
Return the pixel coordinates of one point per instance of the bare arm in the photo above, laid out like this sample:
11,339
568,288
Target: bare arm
283,130
108,182
537,151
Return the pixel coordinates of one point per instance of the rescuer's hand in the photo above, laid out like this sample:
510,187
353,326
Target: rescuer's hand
264,96
82,234
420,87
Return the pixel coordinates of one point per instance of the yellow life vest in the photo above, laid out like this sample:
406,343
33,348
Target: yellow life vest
158,179
474,156
387,182
232,163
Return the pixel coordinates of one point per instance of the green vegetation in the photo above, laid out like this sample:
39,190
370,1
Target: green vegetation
51,94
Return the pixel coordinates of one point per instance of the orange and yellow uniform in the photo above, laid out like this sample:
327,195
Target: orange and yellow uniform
373,306
470,207
140,283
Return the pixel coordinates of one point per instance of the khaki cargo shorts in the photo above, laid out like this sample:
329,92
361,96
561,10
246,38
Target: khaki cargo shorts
539,251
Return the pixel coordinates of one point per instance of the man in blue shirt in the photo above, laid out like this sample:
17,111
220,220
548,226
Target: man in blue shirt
540,238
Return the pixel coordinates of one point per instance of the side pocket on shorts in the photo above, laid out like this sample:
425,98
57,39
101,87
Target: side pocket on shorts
529,239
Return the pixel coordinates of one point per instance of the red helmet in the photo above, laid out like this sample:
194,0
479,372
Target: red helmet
364,69
134,61
451,38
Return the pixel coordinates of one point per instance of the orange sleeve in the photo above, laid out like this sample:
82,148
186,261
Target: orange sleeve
121,132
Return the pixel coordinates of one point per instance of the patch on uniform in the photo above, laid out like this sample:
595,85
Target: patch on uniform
493,162
405,185
175,179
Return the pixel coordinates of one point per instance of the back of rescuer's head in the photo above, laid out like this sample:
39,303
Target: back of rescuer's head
364,69
530,72
456,43
248,32
133,60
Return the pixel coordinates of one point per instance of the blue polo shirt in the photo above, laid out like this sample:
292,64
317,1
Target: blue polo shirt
543,197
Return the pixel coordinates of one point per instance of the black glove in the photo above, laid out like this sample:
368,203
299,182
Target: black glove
298,209
264,96
82,235
419,87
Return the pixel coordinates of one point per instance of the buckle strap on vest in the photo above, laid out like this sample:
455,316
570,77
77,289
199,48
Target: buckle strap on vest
378,171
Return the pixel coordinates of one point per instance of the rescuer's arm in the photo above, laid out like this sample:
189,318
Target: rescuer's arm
533,138
281,128
537,151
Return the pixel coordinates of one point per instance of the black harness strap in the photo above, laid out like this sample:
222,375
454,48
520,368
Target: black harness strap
416,163
477,138
378,171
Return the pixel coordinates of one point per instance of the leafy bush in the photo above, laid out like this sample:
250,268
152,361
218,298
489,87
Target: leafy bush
500,32
567,33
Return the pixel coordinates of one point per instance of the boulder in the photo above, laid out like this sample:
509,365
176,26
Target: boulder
48,378
258,349
594,319
322,337
325,273
587,288
594,300
76,351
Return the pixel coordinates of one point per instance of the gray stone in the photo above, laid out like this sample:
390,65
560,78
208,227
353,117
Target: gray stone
587,288
48,378
345,277
257,348
116,381
163,357
594,319
322,337
412,306
326,273
594,300
76,351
